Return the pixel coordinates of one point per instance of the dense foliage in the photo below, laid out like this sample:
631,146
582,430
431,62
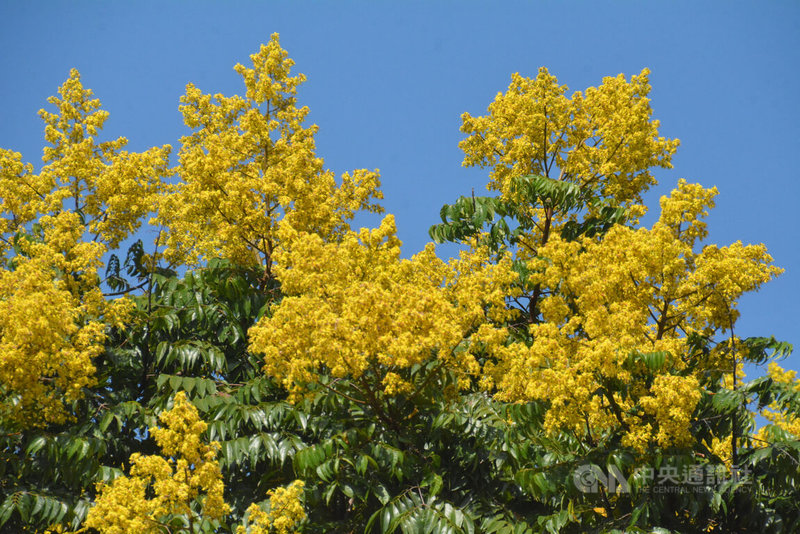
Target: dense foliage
263,367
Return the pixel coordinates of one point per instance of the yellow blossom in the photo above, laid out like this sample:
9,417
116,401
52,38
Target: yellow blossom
773,412
89,196
671,403
111,189
161,487
284,515
354,305
251,163
632,291
604,140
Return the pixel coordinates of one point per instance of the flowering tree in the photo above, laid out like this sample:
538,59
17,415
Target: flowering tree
302,376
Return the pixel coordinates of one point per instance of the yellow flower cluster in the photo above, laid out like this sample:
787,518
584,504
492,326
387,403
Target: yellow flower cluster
52,322
251,163
47,343
285,512
186,481
671,402
355,306
22,193
781,376
53,313
722,448
633,291
773,413
111,189
604,140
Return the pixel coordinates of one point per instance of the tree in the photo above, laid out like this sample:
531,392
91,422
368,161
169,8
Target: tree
301,376
627,333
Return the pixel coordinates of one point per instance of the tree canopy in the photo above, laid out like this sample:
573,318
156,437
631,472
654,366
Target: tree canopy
263,367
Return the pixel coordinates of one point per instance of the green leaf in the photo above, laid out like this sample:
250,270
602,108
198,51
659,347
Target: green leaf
761,349
23,501
381,493
434,483
653,360
726,400
35,445
161,380
6,509
175,382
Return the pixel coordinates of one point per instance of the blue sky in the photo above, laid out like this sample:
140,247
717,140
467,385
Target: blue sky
387,83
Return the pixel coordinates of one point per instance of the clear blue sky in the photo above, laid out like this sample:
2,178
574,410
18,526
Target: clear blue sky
387,83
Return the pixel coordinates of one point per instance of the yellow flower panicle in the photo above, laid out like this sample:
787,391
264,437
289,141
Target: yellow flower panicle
285,512
112,189
722,448
671,402
186,481
53,320
604,140
782,376
773,412
48,340
22,194
251,163
355,306
633,291
89,196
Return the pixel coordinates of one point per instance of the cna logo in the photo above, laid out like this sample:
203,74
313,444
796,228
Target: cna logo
588,479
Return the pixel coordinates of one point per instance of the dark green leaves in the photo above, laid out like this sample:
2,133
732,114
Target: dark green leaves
505,219
468,216
761,349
